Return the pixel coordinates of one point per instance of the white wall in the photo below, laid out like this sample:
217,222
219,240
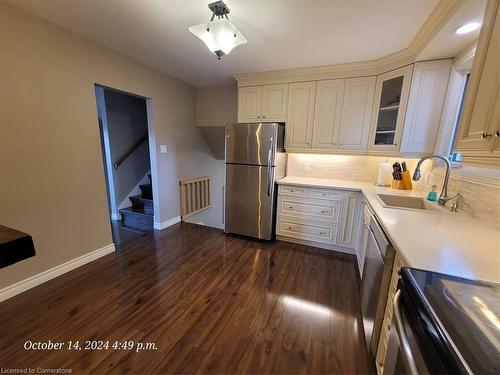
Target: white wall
51,161
215,106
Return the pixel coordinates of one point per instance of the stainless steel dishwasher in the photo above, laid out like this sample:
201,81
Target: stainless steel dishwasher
372,282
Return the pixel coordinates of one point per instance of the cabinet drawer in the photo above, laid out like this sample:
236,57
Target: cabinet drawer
307,230
325,194
298,191
309,208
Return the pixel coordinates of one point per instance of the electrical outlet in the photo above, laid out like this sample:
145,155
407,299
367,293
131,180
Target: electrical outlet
163,149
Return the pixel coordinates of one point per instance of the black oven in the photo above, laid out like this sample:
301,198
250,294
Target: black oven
444,325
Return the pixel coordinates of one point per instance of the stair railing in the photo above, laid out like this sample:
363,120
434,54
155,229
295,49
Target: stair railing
130,151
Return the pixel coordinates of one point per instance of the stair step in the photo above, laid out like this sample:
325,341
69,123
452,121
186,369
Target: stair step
146,191
136,218
142,203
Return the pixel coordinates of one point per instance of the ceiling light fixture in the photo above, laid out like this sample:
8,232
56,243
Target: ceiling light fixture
220,35
467,28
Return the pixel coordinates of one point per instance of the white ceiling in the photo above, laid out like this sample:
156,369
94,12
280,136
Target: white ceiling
281,33
446,43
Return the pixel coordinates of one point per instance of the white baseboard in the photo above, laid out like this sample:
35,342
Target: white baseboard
217,226
116,217
52,273
166,224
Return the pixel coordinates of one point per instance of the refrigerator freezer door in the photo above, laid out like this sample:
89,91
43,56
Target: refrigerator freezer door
250,200
251,143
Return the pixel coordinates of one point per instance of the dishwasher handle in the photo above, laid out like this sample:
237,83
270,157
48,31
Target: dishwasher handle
404,343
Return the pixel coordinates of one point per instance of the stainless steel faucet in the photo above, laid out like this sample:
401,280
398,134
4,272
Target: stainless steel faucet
443,197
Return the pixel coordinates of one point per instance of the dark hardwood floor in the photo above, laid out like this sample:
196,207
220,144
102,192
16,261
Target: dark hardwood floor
123,233
210,303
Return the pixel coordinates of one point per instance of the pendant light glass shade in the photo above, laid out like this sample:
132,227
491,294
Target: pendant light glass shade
219,35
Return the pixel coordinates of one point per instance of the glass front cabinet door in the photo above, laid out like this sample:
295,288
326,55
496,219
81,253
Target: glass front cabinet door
391,99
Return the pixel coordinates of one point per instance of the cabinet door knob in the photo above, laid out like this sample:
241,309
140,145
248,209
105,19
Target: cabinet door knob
291,207
485,135
263,116
289,227
497,134
258,116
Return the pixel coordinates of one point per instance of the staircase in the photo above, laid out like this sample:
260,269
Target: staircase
140,214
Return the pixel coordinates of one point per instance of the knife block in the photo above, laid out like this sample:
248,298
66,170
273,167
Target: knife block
407,180
398,184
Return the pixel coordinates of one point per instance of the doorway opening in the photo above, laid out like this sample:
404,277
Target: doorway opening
125,140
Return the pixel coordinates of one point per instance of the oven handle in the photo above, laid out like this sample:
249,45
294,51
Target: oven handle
404,344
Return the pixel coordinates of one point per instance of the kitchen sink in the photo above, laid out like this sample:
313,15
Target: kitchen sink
405,202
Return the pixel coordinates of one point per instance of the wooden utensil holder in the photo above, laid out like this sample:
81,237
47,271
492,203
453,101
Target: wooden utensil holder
398,184
407,180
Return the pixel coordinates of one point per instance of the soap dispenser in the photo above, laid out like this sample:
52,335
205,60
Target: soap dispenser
432,196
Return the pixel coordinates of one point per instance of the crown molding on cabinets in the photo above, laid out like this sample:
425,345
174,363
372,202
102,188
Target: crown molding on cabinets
438,18
463,62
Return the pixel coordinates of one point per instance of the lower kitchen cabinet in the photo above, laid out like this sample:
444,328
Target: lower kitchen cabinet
351,202
326,218
309,230
387,320
364,232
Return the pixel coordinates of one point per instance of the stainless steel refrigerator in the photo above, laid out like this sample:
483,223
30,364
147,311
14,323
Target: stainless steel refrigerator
255,159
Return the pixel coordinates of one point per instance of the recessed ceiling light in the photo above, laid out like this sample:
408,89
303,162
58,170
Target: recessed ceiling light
468,27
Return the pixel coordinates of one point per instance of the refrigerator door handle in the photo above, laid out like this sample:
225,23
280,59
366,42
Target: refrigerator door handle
269,168
269,180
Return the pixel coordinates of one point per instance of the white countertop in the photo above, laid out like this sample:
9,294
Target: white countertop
437,240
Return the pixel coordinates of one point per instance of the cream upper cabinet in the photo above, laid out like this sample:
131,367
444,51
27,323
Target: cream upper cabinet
425,105
274,102
262,103
495,123
328,113
389,109
356,113
479,131
300,117
249,104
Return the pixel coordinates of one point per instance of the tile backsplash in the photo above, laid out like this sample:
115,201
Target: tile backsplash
479,198
344,167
